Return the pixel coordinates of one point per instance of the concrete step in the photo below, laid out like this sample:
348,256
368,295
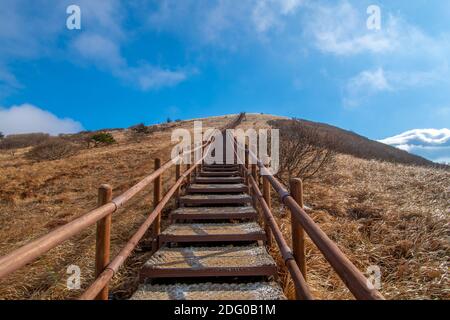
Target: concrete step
218,199
214,213
224,180
217,188
211,291
212,232
196,262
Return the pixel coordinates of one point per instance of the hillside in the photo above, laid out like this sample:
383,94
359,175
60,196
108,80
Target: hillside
388,214
348,142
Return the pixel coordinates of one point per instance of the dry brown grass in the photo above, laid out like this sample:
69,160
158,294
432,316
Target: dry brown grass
394,216
379,213
35,198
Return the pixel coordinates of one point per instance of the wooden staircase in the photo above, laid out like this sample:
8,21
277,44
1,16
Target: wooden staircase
214,248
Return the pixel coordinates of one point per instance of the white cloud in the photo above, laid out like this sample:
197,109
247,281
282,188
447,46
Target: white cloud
99,50
105,54
430,137
31,30
433,144
341,30
365,85
370,82
27,118
226,24
148,77
410,58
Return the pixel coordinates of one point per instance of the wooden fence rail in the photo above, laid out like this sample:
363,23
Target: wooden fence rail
355,281
294,259
105,270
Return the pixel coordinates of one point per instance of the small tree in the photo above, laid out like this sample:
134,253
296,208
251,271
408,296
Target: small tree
1,135
169,120
104,138
53,149
303,151
140,129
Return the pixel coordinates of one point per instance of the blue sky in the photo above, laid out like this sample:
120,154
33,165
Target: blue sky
143,61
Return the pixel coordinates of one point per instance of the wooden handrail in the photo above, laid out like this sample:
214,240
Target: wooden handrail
355,281
34,249
31,251
114,266
301,286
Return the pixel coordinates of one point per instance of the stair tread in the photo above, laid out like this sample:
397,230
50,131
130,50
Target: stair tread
211,213
211,291
215,197
203,229
215,187
218,185
219,173
219,169
224,180
209,261
215,210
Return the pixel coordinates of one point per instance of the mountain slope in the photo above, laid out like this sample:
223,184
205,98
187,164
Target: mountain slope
391,215
347,142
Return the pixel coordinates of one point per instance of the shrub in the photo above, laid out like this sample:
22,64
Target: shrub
16,141
53,149
1,135
169,120
140,129
103,138
303,152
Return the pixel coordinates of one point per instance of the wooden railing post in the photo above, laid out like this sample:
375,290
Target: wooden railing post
254,173
188,179
103,243
268,199
247,181
177,176
298,234
157,195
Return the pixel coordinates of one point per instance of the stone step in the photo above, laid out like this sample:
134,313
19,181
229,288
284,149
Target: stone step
211,291
217,199
212,232
214,213
217,188
195,262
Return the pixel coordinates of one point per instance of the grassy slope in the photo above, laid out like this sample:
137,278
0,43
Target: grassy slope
37,197
390,215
